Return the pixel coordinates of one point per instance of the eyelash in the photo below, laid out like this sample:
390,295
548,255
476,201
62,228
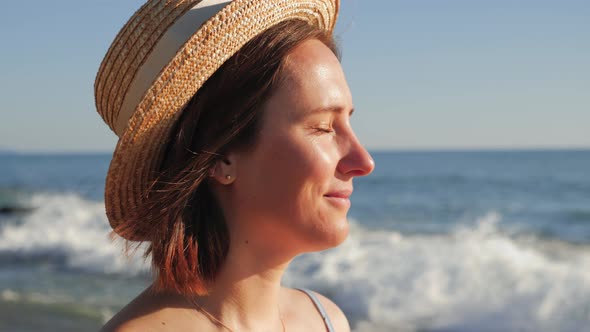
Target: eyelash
324,130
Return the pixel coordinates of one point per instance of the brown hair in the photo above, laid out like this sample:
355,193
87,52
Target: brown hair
181,218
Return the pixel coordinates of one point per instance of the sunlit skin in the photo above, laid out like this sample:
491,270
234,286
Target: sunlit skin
287,196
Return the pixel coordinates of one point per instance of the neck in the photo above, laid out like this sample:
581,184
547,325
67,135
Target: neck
247,291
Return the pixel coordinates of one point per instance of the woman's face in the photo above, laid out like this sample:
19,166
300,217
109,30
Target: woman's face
294,186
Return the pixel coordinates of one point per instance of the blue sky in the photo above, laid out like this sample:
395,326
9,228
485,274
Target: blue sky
424,74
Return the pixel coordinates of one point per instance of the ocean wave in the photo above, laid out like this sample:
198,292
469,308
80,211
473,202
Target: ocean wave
69,231
13,202
475,279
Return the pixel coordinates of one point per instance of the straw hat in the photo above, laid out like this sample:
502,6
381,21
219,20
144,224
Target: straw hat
158,61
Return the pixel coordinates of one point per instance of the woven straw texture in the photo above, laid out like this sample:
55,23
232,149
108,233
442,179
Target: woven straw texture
141,146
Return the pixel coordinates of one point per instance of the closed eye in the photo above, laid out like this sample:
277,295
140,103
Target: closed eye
324,130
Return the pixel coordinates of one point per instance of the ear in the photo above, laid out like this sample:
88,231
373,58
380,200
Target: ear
224,170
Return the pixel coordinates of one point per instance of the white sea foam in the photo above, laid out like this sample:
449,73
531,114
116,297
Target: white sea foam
475,279
70,227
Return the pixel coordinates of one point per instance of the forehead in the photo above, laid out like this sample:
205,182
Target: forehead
310,54
313,78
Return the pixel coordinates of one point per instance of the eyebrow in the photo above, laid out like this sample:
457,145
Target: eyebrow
331,109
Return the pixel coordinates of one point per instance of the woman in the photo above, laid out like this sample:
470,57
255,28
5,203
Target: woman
235,155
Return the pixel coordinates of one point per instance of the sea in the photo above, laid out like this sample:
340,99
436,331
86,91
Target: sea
440,241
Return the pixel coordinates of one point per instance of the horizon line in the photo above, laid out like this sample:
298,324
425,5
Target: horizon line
4,151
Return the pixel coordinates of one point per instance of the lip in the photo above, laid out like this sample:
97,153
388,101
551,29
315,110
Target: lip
344,193
340,198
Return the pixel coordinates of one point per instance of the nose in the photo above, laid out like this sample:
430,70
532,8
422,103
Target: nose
356,161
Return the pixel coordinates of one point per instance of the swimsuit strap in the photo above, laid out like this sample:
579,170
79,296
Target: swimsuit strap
320,308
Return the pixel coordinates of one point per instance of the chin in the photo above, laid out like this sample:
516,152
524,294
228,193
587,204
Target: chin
332,236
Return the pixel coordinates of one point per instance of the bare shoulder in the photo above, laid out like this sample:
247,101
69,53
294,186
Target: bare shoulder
337,317
149,312
135,316
129,325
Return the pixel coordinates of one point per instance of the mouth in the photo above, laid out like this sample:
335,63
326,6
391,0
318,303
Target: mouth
340,198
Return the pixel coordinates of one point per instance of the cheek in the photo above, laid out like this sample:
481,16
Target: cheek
291,178
295,167
297,173
307,176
